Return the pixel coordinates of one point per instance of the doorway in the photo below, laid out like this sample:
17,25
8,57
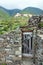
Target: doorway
26,42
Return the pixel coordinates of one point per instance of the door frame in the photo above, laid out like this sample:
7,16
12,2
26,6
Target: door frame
22,43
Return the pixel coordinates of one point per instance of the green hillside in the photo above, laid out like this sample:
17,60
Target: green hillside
32,10
3,14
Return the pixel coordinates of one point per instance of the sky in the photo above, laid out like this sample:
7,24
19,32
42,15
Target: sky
21,4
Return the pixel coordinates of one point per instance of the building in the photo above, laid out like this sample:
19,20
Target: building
17,15
26,15
30,15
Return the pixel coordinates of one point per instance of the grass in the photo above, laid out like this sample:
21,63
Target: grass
4,64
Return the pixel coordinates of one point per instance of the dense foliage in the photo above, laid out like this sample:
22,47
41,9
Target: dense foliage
12,23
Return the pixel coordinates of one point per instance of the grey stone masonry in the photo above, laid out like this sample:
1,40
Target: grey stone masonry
10,46
39,52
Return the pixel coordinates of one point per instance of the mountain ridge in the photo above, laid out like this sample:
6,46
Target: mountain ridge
27,10
32,10
11,12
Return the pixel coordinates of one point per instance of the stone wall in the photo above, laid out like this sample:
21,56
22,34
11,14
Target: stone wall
39,52
34,20
10,46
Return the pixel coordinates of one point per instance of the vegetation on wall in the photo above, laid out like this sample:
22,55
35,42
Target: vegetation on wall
12,23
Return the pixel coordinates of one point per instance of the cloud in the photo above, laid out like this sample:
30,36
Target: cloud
11,4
